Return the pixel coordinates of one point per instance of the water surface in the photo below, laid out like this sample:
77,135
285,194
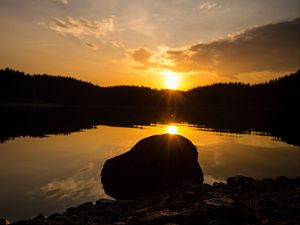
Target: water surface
53,173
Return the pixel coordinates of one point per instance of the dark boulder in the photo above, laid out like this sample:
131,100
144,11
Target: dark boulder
153,164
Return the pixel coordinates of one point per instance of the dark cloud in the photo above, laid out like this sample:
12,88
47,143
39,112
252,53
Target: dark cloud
272,48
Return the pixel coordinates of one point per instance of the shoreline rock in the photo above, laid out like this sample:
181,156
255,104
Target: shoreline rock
242,200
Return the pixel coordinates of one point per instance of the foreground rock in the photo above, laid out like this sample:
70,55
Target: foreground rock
241,201
155,163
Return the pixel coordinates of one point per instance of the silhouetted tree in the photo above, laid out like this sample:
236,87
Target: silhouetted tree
271,107
19,87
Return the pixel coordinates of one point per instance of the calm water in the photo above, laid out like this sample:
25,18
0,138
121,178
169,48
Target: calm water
53,173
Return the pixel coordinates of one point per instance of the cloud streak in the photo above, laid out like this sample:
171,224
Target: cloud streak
91,46
72,188
208,6
83,184
147,59
82,26
62,2
87,31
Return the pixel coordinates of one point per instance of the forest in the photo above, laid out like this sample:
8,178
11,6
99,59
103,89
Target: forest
18,87
38,105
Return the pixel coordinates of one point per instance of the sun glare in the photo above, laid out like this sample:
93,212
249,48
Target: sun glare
171,129
172,79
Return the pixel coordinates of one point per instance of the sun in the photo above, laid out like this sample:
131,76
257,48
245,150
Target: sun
172,79
171,129
172,82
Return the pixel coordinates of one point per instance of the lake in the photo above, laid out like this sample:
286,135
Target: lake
51,172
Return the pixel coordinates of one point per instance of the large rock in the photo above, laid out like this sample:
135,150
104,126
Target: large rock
154,163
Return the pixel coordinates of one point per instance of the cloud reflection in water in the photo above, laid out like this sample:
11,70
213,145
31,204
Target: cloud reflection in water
83,184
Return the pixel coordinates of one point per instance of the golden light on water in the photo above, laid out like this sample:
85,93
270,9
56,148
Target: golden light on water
171,129
172,79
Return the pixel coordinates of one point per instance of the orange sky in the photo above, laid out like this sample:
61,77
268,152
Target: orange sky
162,44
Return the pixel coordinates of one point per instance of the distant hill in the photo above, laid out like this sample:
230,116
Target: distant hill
18,87
281,92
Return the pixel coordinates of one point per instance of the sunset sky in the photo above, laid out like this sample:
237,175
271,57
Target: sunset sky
156,43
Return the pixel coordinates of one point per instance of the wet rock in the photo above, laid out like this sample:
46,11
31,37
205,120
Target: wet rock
227,210
186,205
197,216
39,220
125,204
290,209
23,222
280,214
283,181
179,204
143,210
189,195
162,217
239,181
190,184
55,216
134,220
104,202
219,186
219,202
155,163
85,206
264,185
206,188
114,211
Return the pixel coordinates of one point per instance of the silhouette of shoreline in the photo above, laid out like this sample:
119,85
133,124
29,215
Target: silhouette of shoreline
42,105
18,87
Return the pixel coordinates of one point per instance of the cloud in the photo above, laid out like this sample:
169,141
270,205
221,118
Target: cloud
147,59
71,188
208,6
118,45
91,46
272,48
62,2
84,183
82,26
142,55
90,32
139,21
90,166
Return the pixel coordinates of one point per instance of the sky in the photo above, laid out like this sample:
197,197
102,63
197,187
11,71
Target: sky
157,43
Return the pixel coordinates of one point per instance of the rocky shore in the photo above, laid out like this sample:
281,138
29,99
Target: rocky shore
242,200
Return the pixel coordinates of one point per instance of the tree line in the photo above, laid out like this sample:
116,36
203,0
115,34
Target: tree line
18,87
